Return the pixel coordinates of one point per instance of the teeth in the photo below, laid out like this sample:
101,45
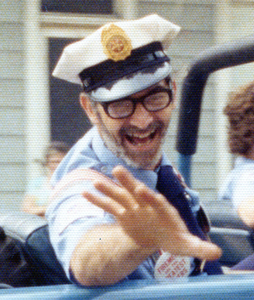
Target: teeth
141,144
140,135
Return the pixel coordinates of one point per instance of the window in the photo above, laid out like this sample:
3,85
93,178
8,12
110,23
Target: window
68,121
78,6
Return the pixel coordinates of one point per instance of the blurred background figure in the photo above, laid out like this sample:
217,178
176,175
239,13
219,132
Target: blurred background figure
239,185
39,189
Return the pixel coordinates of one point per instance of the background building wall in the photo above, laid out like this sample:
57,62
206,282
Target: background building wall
12,103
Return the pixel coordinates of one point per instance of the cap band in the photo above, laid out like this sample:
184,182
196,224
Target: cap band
109,70
131,84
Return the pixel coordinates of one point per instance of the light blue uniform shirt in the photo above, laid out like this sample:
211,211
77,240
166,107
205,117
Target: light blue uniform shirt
70,215
239,184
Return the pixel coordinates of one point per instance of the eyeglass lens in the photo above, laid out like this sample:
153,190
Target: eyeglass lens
152,103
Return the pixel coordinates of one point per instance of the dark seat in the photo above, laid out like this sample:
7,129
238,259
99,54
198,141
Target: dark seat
31,233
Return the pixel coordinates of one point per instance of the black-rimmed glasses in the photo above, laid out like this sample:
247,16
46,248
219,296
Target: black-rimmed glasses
158,99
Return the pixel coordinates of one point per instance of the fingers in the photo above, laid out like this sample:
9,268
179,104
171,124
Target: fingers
105,203
202,249
130,193
117,193
125,178
146,196
129,196
138,190
128,181
186,244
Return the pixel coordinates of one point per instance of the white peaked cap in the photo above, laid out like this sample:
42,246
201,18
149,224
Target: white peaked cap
114,52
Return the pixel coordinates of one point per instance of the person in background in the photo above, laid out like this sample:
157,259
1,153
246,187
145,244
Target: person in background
239,185
39,189
118,210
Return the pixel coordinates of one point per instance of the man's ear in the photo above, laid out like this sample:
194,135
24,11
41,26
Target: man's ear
87,107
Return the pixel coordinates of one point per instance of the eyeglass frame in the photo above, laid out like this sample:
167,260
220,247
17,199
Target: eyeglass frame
141,100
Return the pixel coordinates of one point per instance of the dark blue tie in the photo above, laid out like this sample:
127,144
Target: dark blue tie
170,186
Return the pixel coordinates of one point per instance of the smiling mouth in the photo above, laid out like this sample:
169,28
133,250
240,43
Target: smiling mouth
140,139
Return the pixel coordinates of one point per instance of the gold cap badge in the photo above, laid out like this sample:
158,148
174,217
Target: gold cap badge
116,43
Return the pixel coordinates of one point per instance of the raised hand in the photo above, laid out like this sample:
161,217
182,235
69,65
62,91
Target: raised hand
148,218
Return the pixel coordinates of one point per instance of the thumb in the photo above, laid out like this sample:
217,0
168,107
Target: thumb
203,249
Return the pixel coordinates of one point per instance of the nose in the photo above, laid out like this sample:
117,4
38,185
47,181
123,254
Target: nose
141,118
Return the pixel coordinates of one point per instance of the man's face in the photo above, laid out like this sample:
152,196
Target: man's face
137,139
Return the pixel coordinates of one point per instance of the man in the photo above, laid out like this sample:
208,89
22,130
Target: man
107,220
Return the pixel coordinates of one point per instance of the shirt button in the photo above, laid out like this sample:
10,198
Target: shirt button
188,198
104,169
